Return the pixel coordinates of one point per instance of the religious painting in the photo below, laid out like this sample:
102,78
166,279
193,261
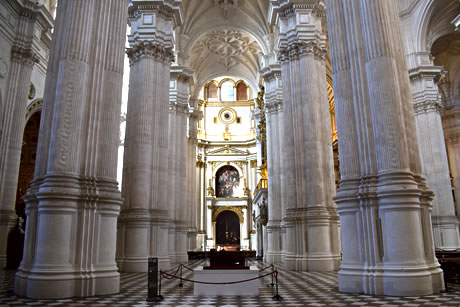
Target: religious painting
227,228
227,182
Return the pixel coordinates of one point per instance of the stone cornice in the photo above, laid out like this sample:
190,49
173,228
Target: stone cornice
426,71
270,72
181,73
148,49
168,8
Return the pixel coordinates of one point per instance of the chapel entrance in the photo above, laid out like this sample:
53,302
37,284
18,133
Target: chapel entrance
228,230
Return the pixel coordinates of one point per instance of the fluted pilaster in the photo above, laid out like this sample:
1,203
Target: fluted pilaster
12,121
181,208
273,106
74,201
435,166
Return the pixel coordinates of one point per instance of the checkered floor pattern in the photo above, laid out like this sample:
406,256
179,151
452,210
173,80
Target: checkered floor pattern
296,289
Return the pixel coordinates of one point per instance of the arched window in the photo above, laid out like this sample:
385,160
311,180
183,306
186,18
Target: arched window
212,90
241,91
227,182
227,91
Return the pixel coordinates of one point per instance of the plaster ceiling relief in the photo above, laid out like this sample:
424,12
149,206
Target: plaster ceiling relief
230,46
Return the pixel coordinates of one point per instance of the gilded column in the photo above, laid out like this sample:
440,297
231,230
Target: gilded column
312,234
145,217
12,121
386,225
73,202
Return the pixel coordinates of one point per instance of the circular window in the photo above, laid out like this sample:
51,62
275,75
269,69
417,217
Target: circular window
227,116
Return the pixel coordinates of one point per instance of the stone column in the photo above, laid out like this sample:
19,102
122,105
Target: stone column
12,121
273,106
144,222
193,181
73,202
383,202
430,136
451,126
308,172
180,209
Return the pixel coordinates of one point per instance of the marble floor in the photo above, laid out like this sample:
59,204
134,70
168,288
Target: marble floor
295,288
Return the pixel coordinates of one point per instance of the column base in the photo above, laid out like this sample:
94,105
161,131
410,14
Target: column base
52,285
394,282
273,257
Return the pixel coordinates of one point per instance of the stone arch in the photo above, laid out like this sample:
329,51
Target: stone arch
33,108
219,210
449,9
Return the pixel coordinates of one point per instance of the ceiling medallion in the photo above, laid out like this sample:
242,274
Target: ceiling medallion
227,43
226,4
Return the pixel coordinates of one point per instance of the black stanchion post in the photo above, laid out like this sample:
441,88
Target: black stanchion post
276,297
272,284
181,284
152,285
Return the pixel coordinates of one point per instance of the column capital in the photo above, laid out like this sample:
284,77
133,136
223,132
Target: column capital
152,23
149,50
300,24
23,55
427,106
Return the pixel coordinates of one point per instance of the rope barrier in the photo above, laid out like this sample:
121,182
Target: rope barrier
214,283
273,273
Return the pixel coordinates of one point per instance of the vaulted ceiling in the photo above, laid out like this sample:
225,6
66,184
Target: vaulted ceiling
224,37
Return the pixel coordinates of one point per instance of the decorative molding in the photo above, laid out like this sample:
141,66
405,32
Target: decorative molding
299,48
23,55
150,50
427,107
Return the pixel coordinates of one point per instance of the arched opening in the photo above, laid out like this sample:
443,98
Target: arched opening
227,182
15,243
227,229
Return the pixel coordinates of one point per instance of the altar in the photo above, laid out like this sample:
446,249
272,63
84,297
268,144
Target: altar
226,267
244,288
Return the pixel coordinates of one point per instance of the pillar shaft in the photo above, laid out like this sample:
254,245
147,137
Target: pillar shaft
12,122
74,201
376,124
311,218
144,222
273,105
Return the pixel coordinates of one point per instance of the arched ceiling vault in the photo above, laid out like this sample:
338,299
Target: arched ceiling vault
224,37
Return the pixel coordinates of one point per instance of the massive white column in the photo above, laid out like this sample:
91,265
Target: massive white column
144,222
12,121
273,106
73,202
430,136
180,207
311,218
383,202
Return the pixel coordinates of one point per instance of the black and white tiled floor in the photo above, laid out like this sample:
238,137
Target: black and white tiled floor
296,289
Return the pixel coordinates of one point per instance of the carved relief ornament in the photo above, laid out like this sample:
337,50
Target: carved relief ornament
148,49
